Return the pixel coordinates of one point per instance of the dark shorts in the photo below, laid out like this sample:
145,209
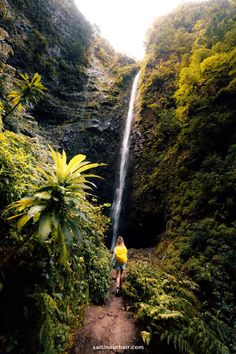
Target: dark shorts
117,265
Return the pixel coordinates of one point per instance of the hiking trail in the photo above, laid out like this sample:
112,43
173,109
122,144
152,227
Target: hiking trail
109,325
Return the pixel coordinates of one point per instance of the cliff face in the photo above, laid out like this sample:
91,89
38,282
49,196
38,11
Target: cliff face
95,124
49,37
88,88
183,156
185,96
87,82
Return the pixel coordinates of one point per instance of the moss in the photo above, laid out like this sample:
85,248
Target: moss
183,163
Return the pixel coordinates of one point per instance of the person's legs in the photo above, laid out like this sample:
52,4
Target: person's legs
123,277
121,272
118,273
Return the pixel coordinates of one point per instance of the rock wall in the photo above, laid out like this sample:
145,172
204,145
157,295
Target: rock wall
88,82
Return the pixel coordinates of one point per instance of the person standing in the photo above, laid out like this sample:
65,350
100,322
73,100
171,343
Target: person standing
119,262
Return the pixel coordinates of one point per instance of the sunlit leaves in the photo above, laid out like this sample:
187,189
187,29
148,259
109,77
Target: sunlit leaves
55,207
192,176
146,337
204,80
29,90
71,174
169,311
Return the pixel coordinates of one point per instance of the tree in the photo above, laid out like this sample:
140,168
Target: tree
28,91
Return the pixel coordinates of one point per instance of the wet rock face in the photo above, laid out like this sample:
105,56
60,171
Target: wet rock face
88,84
143,218
51,37
95,124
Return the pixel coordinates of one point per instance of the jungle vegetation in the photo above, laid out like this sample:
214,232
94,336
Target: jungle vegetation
53,258
184,174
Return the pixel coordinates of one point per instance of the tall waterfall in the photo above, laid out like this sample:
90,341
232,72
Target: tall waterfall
117,203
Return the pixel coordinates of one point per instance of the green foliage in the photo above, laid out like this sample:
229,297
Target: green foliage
146,337
170,312
17,158
47,43
121,68
98,269
184,167
36,287
123,75
206,80
207,250
57,204
28,91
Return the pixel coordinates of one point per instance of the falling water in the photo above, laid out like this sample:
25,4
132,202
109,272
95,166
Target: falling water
85,95
116,207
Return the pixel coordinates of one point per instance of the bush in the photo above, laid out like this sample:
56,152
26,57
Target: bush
35,286
168,308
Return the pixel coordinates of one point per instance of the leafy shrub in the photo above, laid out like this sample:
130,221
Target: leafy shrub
184,158
35,287
17,158
169,310
98,269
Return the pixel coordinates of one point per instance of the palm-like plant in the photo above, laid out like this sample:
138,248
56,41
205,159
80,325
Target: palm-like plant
55,208
28,91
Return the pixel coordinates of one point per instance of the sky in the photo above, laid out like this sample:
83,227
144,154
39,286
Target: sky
124,22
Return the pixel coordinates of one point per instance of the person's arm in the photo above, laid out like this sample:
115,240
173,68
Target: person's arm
113,256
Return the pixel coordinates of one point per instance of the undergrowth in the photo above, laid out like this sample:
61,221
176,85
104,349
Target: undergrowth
170,313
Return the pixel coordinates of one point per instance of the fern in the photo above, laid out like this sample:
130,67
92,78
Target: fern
170,315
46,336
146,337
48,308
177,340
170,311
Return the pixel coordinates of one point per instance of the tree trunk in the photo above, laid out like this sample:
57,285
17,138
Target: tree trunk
12,109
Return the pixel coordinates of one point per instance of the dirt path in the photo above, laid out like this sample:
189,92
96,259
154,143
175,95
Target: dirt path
109,325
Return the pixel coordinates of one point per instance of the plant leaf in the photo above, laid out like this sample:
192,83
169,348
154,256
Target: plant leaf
45,226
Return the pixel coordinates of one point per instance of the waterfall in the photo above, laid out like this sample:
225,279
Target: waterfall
86,94
117,203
